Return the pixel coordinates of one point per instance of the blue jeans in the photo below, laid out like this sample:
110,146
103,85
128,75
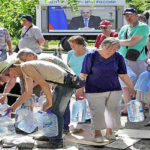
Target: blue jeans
67,117
3,55
79,111
61,98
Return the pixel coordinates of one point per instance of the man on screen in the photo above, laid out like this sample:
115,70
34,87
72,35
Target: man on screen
85,21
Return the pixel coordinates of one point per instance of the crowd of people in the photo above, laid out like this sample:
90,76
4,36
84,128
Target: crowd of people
98,78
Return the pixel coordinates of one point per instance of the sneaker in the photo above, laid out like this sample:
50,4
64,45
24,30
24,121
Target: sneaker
66,131
99,139
41,138
111,137
55,143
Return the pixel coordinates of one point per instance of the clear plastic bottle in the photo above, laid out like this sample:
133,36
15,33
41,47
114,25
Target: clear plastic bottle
6,126
39,102
28,124
3,107
135,111
48,123
21,113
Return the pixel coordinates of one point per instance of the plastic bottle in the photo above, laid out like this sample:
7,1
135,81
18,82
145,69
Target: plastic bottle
21,113
3,107
39,102
28,124
79,110
6,126
135,111
48,123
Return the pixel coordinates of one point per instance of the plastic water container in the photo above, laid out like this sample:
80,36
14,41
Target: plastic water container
3,107
28,124
143,82
29,103
21,113
48,123
6,126
135,111
79,111
39,102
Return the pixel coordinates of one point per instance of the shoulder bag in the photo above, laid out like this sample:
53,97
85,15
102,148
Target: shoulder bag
132,54
17,48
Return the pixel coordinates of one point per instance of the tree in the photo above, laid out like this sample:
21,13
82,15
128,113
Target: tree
140,5
12,10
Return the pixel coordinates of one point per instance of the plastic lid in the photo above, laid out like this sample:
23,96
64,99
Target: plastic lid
148,70
22,106
8,111
49,111
4,103
40,111
133,98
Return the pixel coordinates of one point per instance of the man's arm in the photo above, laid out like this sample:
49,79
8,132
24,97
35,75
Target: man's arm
27,94
9,47
132,41
10,84
32,73
41,41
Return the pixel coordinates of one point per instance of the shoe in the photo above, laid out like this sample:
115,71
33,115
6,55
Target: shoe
111,137
99,139
55,143
41,138
75,131
66,131
88,121
124,114
147,125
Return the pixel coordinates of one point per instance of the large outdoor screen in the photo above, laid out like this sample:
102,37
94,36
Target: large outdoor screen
62,18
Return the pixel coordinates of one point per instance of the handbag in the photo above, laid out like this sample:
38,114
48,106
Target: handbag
17,47
132,54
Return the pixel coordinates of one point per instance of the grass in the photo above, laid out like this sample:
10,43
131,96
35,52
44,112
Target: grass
48,45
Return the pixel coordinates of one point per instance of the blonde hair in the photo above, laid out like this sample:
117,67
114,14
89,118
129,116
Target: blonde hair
77,40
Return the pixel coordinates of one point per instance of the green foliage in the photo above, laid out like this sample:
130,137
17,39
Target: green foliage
12,10
140,5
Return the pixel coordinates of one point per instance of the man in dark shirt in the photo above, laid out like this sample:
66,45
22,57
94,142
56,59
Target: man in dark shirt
85,21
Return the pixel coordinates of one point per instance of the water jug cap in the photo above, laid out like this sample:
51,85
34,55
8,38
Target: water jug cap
3,103
49,111
7,112
148,70
133,98
40,111
22,106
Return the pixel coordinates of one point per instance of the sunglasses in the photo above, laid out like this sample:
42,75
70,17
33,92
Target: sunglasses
22,20
103,27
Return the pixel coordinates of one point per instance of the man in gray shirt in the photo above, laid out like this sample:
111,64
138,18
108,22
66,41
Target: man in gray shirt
5,41
31,36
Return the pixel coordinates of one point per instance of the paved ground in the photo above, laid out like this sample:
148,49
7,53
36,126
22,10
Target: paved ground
140,145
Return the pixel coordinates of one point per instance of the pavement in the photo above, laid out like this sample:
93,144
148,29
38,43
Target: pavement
141,144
